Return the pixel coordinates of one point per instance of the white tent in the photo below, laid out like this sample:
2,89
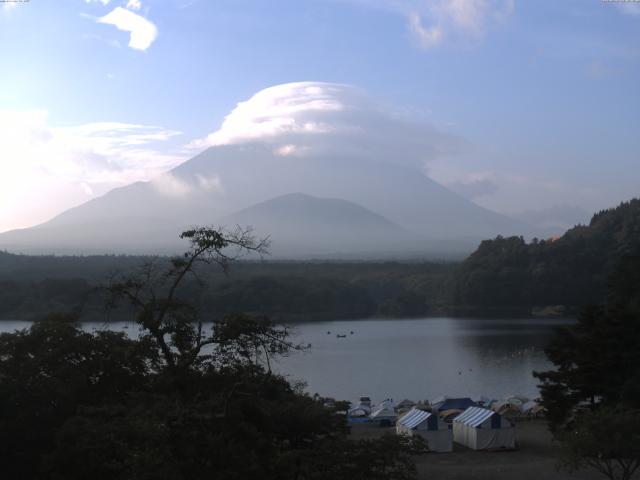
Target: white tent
358,412
483,429
388,403
384,414
533,409
405,405
363,409
507,407
428,426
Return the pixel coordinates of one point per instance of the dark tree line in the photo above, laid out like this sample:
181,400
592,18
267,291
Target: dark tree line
571,270
33,286
593,396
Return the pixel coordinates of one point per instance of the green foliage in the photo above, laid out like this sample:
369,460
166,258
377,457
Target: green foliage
33,286
292,296
593,396
607,439
403,305
598,359
48,372
571,270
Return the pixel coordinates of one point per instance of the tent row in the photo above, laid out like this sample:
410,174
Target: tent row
435,431
476,428
483,429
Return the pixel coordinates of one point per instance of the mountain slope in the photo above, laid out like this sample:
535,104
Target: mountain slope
146,217
302,225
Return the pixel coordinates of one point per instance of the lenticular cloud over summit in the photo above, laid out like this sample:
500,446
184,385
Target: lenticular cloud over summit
316,117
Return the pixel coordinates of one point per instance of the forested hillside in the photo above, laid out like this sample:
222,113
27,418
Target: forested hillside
571,270
32,286
504,276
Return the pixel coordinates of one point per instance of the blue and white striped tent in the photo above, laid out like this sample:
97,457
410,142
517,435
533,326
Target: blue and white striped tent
433,429
482,429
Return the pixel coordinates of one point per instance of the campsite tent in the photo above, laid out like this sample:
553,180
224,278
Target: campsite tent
436,433
384,415
481,400
449,415
483,429
446,403
507,408
533,409
361,412
405,405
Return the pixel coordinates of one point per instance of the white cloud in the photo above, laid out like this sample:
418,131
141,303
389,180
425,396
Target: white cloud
427,37
170,185
629,8
142,31
86,188
134,5
288,149
432,22
173,186
47,168
294,108
468,15
307,118
210,183
505,190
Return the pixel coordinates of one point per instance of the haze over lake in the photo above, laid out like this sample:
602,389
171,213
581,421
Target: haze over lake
412,358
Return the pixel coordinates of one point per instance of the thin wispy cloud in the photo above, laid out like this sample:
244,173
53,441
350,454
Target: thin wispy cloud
505,189
427,37
142,31
172,186
434,22
134,5
629,8
72,163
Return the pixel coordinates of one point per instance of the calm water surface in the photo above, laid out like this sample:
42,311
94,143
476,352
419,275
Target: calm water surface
416,359
422,358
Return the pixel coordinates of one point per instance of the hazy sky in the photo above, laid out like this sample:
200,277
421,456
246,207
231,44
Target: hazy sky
522,104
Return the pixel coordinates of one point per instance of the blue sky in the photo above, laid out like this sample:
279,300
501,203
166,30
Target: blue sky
544,93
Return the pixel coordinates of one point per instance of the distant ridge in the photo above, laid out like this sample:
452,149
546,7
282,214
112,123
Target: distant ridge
309,226
228,184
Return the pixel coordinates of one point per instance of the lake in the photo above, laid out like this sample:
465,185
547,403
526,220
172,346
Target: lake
412,358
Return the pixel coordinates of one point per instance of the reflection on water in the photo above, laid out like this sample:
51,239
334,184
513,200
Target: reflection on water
417,358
